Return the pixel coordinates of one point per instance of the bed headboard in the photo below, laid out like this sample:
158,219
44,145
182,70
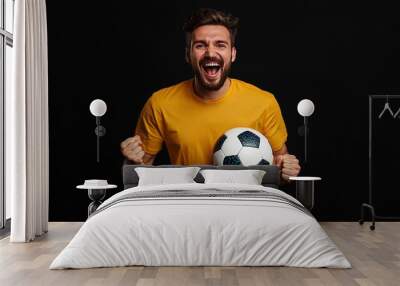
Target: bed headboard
271,178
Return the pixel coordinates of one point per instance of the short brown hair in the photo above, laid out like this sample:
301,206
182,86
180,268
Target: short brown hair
208,16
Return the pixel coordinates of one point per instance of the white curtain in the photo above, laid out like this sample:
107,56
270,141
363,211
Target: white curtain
26,124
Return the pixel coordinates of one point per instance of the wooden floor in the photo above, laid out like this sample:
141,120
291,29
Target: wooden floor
375,257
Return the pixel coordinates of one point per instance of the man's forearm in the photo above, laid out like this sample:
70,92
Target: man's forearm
284,181
148,159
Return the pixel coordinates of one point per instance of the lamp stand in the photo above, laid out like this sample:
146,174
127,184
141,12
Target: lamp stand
99,131
305,138
303,132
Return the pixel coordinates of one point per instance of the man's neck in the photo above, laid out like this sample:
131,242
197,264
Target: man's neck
210,94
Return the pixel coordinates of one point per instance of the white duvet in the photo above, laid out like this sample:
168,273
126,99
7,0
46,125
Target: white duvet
200,231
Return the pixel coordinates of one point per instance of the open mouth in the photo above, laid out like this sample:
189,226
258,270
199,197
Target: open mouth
211,69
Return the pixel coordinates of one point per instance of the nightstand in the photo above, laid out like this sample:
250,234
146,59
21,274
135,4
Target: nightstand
305,190
96,192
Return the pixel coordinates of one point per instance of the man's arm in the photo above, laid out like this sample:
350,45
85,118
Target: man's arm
289,164
148,159
281,151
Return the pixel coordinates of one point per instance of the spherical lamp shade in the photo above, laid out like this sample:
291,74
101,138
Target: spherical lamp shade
98,107
305,107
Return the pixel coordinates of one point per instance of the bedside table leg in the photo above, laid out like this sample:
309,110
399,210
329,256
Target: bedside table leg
305,193
93,207
96,195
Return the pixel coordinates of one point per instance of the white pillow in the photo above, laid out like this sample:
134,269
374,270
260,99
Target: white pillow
249,177
162,176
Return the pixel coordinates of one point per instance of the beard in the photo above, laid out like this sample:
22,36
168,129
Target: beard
202,81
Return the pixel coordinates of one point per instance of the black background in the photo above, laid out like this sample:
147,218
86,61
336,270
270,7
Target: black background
332,52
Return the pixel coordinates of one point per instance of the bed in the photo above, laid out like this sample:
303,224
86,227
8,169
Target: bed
201,224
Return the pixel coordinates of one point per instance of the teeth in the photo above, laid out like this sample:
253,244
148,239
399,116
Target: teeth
211,65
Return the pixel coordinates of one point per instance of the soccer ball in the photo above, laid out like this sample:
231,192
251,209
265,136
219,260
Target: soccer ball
242,146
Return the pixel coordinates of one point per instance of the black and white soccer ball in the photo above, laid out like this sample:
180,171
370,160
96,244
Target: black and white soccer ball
242,146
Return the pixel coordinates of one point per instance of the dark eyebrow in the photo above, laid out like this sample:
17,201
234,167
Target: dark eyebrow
204,42
199,41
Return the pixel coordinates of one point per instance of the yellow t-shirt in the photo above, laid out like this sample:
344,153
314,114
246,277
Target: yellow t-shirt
190,126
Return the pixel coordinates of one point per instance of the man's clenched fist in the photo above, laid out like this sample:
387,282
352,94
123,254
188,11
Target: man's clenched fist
132,149
289,165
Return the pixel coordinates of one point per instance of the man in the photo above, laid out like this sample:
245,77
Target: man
190,116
